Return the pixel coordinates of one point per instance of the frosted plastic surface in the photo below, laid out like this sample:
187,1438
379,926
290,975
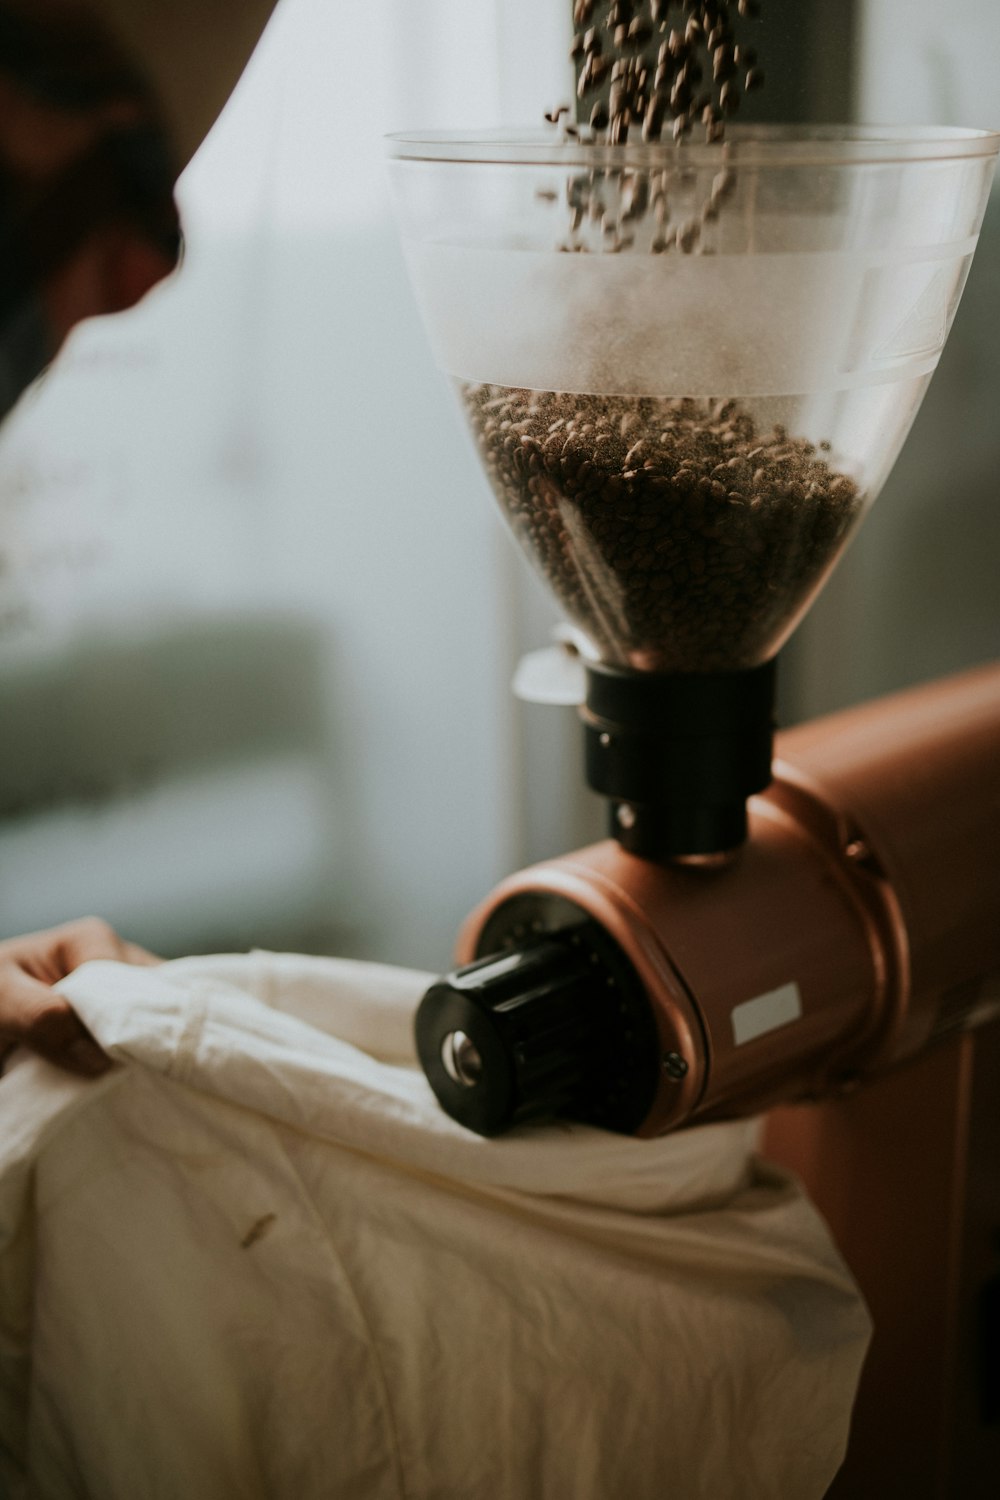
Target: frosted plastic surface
760,325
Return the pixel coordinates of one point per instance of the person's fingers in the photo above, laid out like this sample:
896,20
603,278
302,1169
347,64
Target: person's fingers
32,1014
35,1016
88,938
133,954
92,938
49,956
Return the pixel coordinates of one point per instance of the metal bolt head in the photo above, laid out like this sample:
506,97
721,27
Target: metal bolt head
625,814
462,1059
674,1065
861,854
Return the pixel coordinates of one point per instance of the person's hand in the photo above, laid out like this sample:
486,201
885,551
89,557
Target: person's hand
32,1014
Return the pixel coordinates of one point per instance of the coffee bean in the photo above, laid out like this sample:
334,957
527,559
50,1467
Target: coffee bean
639,32
688,235
723,63
652,124
723,184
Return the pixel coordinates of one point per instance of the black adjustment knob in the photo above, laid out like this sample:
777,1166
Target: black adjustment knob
537,1031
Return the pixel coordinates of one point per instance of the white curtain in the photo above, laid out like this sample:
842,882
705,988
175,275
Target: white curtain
300,143
263,451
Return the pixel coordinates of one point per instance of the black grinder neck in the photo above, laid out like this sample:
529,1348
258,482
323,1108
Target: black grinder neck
677,754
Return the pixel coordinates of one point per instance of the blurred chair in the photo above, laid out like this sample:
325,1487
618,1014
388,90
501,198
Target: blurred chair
180,783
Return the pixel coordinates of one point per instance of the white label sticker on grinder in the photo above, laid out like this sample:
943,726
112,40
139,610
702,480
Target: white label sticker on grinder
766,1013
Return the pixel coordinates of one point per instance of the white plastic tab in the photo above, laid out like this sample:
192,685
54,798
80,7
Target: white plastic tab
554,674
754,1018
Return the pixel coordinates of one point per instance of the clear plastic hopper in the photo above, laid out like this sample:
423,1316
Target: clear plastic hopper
689,369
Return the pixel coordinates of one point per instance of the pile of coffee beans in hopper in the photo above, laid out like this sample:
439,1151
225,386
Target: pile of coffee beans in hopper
674,533
676,537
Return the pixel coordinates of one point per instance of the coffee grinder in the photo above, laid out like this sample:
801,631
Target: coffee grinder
683,430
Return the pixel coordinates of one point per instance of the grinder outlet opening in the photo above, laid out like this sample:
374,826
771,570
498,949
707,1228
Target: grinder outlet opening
678,754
